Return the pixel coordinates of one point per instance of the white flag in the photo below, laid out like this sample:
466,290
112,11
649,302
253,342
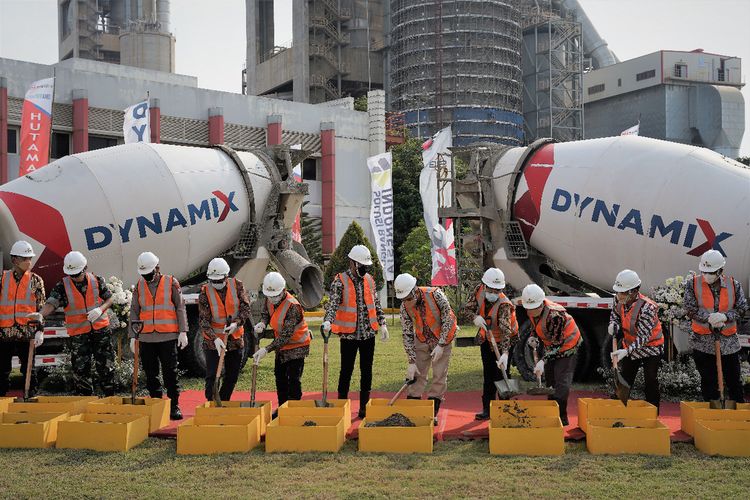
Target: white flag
136,126
381,209
632,130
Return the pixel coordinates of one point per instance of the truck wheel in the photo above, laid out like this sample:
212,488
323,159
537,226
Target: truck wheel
524,356
192,358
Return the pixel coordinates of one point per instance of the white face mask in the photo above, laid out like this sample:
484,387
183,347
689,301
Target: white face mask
218,286
710,278
492,297
277,299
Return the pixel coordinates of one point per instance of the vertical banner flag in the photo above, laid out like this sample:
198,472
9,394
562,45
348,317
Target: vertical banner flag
634,130
36,125
297,226
136,124
435,154
381,209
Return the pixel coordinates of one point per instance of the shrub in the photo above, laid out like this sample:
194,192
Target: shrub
339,262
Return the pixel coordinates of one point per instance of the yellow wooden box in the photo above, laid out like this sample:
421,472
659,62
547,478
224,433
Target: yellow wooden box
378,409
530,407
723,437
103,431
4,402
209,434
690,411
397,439
638,437
157,410
545,436
40,431
341,408
54,404
591,408
287,433
234,408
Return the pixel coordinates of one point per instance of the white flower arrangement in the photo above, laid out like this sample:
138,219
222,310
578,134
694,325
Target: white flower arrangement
669,299
120,309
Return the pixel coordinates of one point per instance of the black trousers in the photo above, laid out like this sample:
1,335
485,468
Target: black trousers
232,363
289,379
20,348
558,373
730,366
629,368
349,350
154,354
491,373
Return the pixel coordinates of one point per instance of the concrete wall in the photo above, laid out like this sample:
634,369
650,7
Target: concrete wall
610,117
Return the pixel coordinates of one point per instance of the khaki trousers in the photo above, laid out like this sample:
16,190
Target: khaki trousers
439,382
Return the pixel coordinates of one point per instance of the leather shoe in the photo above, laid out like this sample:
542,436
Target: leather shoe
175,414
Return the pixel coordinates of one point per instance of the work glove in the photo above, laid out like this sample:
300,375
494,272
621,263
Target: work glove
479,322
532,342
259,354
619,354
182,340
259,327
437,353
220,346
502,363
612,329
38,339
94,314
35,316
230,329
132,346
384,335
539,368
716,318
412,371
326,326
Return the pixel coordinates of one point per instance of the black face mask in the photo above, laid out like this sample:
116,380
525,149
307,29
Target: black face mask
362,270
148,277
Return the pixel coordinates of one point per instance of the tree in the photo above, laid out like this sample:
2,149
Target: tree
417,259
339,262
312,236
745,160
360,103
407,212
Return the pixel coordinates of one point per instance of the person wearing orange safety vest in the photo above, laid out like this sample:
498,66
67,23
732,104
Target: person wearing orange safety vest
223,297
429,326
355,315
284,315
85,299
157,302
634,323
21,299
560,337
493,311
714,302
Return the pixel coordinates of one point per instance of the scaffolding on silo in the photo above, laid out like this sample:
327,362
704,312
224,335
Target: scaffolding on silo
326,39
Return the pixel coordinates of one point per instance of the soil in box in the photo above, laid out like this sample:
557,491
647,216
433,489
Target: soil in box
617,436
308,433
416,438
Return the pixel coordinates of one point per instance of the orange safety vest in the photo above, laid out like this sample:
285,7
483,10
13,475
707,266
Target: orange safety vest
493,312
346,314
571,335
432,318
13,309
630,326
705,298
301,336
78,307
220,310
158,313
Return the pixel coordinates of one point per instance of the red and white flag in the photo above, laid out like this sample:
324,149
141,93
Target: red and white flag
36,126
297,226
444,266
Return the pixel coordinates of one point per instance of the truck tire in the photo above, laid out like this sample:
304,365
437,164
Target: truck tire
524,356
193,359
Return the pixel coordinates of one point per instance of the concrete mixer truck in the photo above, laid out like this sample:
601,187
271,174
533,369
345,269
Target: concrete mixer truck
570,216
186,204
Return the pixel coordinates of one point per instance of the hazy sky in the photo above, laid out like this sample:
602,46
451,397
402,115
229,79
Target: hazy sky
211,33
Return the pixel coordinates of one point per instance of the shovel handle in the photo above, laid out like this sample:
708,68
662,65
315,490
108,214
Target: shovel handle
614,348
536,360
407,383
136,360
325,369
219,367
29,368
719,371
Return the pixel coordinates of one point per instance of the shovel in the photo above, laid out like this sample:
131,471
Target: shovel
29,363
407,383
539,390
722,403
622,388
506,389
253,384
137,327
323,403
219,368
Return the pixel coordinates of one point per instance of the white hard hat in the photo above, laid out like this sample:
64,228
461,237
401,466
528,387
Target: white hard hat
712,261
532,296
147,262
217,269
494,278
22,248
360,253
74,263
273,284
626,280
404,284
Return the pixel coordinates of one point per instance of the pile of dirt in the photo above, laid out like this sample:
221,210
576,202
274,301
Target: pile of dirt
395,420
621,425
518,416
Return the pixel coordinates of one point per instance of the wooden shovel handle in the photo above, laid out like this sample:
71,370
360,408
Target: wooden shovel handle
719,371
614,348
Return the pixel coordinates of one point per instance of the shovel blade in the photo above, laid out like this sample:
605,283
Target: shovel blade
250,404
719,404
131,401
540,391
322,404
507,391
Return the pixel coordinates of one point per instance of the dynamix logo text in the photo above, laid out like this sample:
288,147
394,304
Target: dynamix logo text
158,223
678,232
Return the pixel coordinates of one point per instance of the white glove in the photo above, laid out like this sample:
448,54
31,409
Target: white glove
182,340
326,326
716,319
479,322
259,327
94,314
412,371
36,316
259,354
539,368
502,363
38,339
229,330
384,335
612,329
132,346
619,354
532,342
437,353
220,346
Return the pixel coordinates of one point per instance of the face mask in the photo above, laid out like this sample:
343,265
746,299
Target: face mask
218,286
362,270
277,299
492,297
710,278
149,277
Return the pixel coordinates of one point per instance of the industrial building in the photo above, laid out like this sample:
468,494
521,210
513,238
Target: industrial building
688,97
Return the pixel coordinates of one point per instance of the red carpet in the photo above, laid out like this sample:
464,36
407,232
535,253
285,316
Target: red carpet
456,419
